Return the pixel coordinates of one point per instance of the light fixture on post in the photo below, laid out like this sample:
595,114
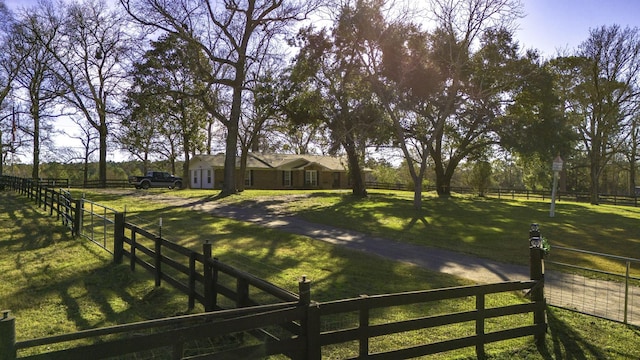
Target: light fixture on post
535,240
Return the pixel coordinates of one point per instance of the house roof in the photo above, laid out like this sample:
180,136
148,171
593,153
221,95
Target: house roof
279,161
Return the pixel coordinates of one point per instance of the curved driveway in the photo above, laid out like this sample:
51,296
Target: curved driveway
450,262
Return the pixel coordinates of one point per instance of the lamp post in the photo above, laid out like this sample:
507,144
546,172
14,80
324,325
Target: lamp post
556,166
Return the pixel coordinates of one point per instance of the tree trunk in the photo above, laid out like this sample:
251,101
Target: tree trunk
357,183
417,194
443,182
632,175
443,186
244,153
595,182
85,170
186,177
145,163
229,182
102,163
35,171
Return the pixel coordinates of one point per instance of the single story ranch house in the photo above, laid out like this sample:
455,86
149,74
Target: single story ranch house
273,171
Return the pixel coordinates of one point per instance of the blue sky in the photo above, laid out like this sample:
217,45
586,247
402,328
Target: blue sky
550,25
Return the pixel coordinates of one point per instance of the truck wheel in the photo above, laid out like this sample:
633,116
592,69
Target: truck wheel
177,185
145,185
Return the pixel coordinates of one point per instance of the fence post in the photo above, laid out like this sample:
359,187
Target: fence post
118,238
44,203
310,321
242,291
626,291
53,193
480,330
208,281
57,194
363,327
158,259
77,219
192,280
536,272
132,262
304,291
7,336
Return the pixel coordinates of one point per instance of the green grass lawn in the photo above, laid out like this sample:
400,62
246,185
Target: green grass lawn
491,228
487,227
72,281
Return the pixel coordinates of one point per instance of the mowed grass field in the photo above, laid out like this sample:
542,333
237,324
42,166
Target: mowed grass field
56,284
491,228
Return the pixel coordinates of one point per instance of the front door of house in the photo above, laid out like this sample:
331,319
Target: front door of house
196,179
202,179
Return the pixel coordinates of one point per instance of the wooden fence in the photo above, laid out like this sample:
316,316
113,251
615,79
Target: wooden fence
614,199
295,329
268,320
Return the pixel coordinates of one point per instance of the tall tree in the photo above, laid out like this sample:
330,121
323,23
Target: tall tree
445,89
161,87
229,33
472,49
91,54
32,37
601,87
405,81
10,63
330,74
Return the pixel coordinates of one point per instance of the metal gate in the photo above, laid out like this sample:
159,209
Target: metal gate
613,294
97,224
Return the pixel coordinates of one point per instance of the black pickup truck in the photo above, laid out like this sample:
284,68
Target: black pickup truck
156,179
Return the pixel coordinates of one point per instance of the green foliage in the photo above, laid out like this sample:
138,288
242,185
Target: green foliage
383,172
535,124
328,84
480,177
166,115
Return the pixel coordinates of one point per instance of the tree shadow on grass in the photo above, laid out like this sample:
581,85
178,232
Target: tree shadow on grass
566,343
414,221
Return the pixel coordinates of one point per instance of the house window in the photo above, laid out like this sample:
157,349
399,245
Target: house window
208,176
286,178
248,178
195,176
311,177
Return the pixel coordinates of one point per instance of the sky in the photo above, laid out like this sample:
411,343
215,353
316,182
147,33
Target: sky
548,25
552,25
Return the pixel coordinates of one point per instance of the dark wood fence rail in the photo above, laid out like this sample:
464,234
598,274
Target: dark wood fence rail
364,331
195,274
304,337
